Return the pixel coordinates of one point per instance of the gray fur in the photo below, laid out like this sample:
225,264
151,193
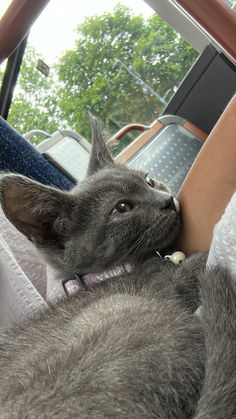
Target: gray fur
129,347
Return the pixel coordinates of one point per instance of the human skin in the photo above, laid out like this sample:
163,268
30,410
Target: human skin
209,184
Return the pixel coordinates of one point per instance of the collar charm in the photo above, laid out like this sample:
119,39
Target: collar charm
176,258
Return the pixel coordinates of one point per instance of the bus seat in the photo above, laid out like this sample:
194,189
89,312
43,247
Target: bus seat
166,150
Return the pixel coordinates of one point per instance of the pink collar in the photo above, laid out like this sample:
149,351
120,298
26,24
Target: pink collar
71,286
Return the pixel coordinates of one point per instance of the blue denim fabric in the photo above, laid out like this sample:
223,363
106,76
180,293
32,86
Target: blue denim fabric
19,156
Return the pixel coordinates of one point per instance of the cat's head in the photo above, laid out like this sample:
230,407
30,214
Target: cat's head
115,216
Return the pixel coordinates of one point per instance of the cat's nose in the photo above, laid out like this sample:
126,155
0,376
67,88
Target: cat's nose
171,203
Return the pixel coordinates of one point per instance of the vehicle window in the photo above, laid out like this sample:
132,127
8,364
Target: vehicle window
3,6
121,63
231,4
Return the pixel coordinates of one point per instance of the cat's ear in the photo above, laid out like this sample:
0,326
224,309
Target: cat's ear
100,156
40,212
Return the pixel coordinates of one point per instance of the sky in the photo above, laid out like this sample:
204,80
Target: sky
54,33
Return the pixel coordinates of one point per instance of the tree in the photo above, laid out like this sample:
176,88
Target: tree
94,76
35,101
123,69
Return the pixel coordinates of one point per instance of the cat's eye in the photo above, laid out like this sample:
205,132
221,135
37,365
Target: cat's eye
150,181
121,207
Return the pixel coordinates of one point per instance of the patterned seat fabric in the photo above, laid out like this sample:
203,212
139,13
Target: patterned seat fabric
18,155
168,156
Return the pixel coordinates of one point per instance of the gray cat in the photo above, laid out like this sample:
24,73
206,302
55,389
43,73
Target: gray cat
129,346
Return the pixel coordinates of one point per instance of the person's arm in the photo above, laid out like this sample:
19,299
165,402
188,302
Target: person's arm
209,184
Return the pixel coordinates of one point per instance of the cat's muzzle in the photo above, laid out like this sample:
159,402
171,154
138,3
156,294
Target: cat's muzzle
172,204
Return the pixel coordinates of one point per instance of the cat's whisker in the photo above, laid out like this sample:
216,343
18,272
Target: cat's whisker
131,251
137,247
48,366
141,240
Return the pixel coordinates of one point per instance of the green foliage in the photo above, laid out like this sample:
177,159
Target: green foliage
92,78
35,102
95,76
1,76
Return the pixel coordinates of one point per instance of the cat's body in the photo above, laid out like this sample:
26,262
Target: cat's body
131,346
103,355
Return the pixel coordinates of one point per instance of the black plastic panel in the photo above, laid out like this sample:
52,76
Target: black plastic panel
206,90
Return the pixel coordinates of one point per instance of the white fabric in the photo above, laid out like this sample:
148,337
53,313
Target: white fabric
54,287
223,247
19,261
